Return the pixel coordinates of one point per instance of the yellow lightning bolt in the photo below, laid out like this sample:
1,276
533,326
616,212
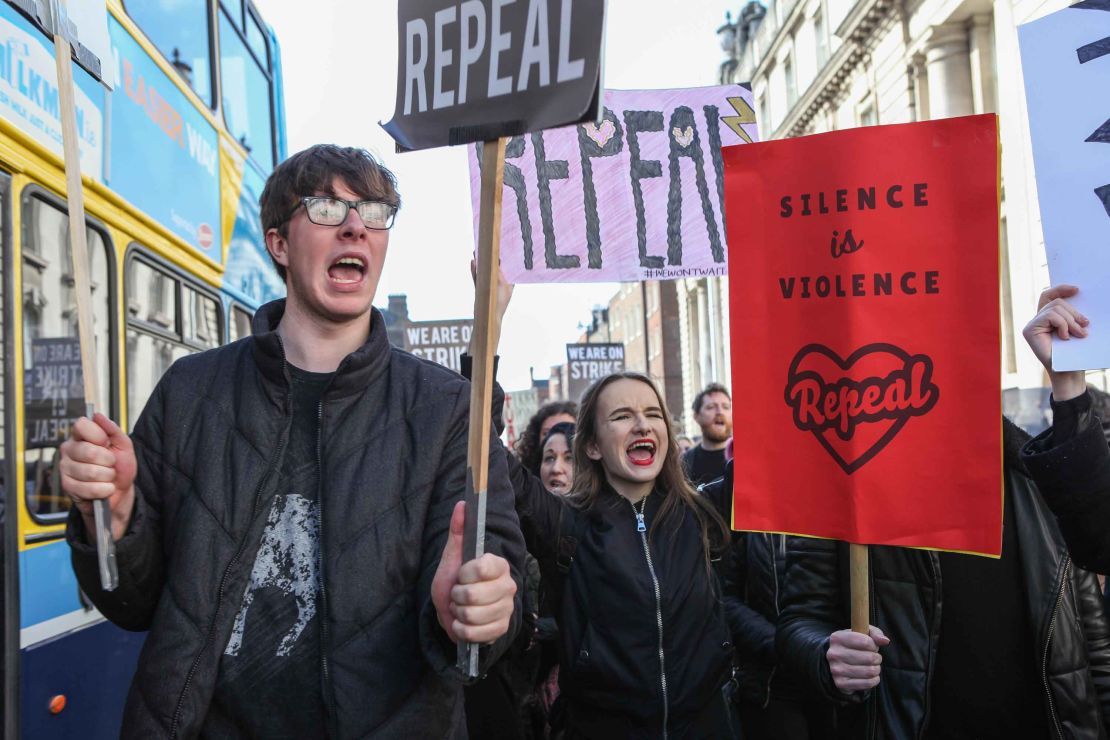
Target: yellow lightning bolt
744,114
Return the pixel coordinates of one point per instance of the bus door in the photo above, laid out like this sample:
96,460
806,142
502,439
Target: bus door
74,667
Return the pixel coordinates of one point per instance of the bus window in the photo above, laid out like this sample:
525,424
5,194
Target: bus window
245,92
240,323
158,334
151,297
179,28
52,392
256,37
200,317
234,10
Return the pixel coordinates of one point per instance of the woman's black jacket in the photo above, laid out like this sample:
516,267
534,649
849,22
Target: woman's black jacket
1071,464
644,645
1072,635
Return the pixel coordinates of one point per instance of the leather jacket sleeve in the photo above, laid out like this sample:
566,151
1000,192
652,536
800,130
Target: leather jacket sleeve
812,610
497,400
139,553
539,510
502,538
1070,464
752,633
1096,631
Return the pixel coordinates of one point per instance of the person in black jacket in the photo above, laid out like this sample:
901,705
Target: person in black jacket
288,514
1070,460
705,461
969,647
771,704
630,553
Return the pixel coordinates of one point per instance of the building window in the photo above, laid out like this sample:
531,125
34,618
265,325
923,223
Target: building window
240,325
822,42
791,82
167,319
866,116
179,28
764,122
53,390
245,87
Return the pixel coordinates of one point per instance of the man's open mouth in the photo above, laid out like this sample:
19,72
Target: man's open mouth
347,270
641,452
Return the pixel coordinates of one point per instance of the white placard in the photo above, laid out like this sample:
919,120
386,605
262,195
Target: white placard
1066,62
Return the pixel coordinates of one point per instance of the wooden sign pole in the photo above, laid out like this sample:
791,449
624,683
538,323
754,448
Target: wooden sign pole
861,606
82,287
487,331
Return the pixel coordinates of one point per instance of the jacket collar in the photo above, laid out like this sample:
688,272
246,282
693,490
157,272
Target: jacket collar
357,371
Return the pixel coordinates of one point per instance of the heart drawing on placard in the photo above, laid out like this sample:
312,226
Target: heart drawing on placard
600,134
856,406
683,135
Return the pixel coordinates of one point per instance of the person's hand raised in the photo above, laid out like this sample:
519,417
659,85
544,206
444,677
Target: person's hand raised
1056,316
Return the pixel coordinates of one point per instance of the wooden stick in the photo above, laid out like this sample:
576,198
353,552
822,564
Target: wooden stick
861,607
487,330
82,288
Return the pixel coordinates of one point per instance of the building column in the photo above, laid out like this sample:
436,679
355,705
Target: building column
686,343
713,300
726,331
920,88
949,70
981,55
705,331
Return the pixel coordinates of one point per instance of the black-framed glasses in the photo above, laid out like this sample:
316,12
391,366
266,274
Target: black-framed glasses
324,210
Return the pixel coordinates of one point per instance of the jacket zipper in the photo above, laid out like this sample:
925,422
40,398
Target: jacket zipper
934,630
775,578
642,529
1047,642
329,699
234,561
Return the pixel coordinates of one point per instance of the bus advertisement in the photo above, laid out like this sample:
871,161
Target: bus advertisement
174,158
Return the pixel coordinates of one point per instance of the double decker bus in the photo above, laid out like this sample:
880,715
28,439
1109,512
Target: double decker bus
174,159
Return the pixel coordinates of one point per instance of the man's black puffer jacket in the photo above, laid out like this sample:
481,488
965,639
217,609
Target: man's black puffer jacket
906,603
751,597
393,465
613,681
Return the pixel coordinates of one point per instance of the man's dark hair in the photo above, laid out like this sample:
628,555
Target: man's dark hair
711,388
312,172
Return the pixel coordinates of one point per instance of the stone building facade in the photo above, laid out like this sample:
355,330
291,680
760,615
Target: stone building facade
823,65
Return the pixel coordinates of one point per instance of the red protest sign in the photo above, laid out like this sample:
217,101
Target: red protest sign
863,273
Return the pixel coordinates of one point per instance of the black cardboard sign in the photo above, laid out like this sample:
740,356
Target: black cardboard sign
588,363
481,69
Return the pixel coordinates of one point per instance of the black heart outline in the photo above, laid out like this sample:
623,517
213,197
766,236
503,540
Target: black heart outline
844,365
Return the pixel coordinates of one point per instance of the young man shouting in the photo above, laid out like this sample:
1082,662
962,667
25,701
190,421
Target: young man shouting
705,461
288,514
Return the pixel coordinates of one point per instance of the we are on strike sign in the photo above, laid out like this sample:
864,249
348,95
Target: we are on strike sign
865,334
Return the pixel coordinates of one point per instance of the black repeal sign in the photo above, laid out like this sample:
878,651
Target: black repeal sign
480,69
53,390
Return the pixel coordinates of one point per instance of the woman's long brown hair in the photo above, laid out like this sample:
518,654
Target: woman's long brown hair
678,494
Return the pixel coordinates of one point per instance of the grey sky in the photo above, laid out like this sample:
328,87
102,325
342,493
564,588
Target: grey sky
340,66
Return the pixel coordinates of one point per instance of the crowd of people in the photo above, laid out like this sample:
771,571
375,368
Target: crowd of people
289,530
